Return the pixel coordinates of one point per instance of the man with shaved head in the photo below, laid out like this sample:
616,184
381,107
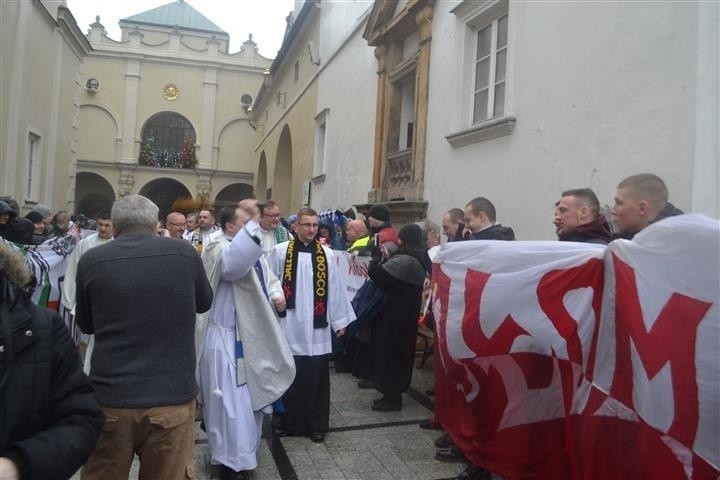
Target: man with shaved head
175,224
578,218
357,235
639,201
452,224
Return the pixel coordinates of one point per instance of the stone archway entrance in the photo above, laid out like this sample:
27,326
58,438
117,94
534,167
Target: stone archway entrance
231,195
168,195
93,194
261,185
282,178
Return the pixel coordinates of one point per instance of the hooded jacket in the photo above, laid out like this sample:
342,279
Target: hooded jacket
333,241
49,420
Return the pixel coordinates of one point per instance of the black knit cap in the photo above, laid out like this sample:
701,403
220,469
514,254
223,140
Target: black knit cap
380,211
34,217
411,236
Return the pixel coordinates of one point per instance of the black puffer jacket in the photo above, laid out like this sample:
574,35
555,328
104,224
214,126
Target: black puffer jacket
496,232
49,420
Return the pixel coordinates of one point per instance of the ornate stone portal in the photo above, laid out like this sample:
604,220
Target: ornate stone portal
402,39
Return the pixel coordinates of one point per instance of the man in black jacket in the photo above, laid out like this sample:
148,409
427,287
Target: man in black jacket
139,295
49,420
578,218
480,221
639,201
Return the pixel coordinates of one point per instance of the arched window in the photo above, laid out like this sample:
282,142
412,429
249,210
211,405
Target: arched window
168,140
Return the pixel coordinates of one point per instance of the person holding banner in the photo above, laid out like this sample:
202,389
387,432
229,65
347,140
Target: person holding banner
480,221
103,235
639,201
578,218
317,303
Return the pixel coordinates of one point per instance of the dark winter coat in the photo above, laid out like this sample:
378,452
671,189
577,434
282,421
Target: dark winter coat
392,344
597,231
668,211
334,241
496,232
49,419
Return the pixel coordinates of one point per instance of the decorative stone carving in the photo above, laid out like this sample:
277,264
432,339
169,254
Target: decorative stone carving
127,180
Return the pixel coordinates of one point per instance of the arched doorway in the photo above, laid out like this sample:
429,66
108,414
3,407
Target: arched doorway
231,195
261,182
93,194
282,181
168,195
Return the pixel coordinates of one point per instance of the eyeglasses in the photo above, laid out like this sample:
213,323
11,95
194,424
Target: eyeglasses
307,225
175,224
277,215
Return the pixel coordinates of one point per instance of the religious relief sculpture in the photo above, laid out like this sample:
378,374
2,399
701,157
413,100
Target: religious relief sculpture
126,183
204,187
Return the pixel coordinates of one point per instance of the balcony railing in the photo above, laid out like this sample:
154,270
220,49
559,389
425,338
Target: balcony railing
398,173
165,158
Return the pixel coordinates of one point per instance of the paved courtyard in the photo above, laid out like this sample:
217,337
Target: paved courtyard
361,443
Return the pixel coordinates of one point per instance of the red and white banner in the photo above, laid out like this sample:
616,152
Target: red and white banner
560,360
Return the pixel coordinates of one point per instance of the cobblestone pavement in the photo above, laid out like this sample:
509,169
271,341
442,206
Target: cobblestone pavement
361,444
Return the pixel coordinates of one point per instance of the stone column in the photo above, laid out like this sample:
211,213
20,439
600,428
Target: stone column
381,52
422,80
132,85
207,128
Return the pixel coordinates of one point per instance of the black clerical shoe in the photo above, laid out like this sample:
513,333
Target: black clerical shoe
365,384
450,454
317,437
387,405
443,441
473,472
429,424
227,473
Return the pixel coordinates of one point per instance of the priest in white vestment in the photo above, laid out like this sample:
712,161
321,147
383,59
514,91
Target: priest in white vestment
103,235
317,306
245,363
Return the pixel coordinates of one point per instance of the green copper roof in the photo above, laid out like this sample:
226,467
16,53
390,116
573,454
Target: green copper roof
177,13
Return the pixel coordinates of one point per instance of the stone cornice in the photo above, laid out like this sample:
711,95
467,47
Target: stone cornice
199,63
71,33
169,172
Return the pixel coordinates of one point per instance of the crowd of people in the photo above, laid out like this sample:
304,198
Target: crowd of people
239,316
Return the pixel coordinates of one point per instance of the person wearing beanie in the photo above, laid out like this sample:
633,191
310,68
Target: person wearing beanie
46,213
37,219
379,221
43,210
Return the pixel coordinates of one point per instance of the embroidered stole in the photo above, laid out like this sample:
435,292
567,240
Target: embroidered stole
320,280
